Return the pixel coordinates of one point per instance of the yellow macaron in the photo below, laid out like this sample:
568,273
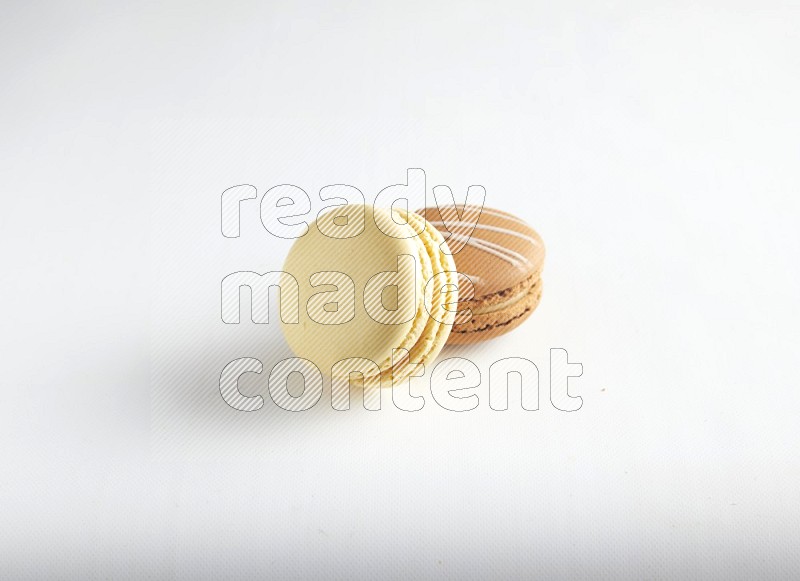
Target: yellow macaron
377,293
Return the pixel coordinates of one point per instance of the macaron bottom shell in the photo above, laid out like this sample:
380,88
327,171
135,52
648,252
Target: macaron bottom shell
497,314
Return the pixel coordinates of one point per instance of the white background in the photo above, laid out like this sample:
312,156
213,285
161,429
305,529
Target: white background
653,145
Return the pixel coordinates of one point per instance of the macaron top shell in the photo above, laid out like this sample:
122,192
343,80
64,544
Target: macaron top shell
499,254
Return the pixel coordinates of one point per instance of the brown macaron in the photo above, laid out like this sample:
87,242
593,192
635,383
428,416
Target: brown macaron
502,257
